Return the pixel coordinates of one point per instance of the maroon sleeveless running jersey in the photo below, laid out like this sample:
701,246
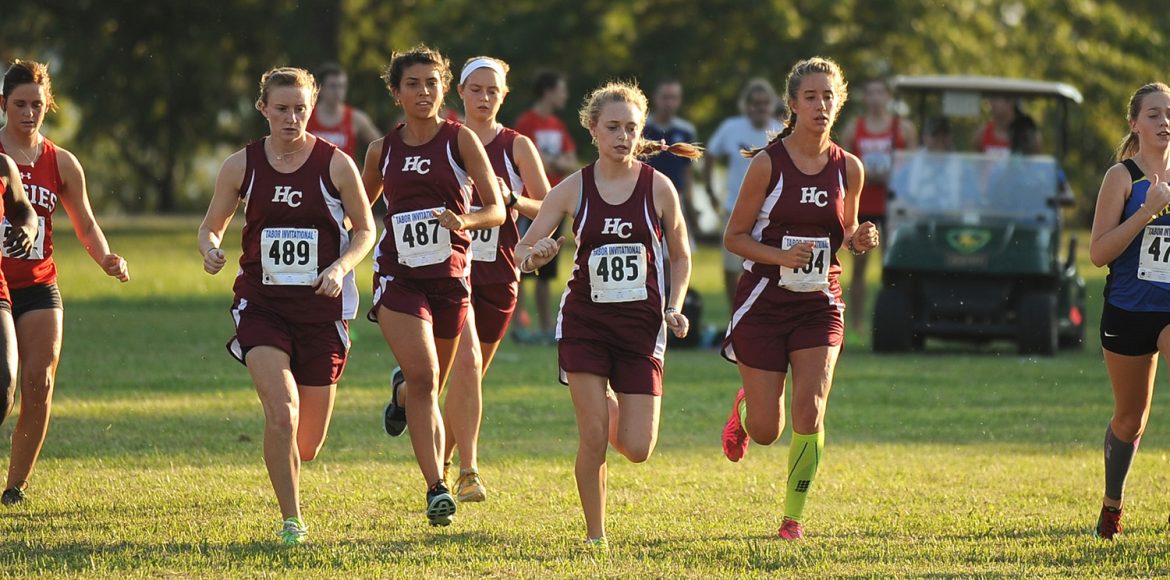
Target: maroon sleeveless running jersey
493,251
417,180
615,292
42,182
294,228
803,208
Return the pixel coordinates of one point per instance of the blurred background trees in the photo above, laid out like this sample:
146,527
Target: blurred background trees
155,94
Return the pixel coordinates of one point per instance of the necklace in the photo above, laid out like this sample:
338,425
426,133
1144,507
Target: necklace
286,156
30,160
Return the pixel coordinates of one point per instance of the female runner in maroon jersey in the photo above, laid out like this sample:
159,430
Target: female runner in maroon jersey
426,166
483,87
796,207
52,174
612,324
18,242
295,290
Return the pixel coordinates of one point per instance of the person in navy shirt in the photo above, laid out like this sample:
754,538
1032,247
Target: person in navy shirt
664,124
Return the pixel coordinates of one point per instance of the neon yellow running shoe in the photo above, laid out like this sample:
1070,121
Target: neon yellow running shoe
293,532
596,547
470,488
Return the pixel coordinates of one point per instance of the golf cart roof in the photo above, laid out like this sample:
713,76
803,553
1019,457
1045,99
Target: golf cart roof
987,86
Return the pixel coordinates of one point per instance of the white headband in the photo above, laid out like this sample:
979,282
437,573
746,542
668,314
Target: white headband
482,63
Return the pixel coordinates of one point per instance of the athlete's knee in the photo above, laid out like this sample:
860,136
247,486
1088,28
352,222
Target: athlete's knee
468,365
594,443
807,418
1129,427
420,381
282,417
637,452
310,451
763,430
36,387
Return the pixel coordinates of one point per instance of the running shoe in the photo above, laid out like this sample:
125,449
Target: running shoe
735,438
12,496
470,488
790,529
293,532
596,547
440,505
394,416
1109,523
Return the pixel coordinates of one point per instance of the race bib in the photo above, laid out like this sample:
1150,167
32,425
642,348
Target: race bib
617,273
812,277
484,243
38,245
1154,264
288,256
877,162
419,238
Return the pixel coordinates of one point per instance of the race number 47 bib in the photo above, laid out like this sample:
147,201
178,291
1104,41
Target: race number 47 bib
38,245
484,243
1154,264
419,238
617,273
812,277
288,256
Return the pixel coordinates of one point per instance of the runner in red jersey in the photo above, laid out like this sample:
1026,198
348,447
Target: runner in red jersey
614,312
426,167
295,289
335,121
1010,129
50,173
874,136
17,242
494,276
797,206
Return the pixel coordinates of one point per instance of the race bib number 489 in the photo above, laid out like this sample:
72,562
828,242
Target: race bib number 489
617,273
1154,264
38,245
815,275
288,256
419,238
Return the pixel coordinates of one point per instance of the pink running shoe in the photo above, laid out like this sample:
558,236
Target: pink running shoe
791,529
735,439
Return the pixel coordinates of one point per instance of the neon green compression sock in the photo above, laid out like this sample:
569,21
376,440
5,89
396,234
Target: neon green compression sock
742,408
804,457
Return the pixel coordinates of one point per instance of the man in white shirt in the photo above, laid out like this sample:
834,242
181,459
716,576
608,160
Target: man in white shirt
752,128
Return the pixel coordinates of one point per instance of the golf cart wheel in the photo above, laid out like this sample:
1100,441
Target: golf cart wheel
1037,332
893,328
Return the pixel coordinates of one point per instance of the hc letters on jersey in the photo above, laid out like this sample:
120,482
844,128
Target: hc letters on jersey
285,194
417,164
617,227
812,195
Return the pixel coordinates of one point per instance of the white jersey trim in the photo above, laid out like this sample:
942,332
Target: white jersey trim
765,218
350,300
729,350
660,342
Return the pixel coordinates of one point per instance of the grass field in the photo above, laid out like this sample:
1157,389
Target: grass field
955,462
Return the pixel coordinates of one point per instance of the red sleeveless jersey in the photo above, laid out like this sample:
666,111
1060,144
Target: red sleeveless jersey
876,151
294,228
615,292
493,256
342,134
41,182
4,295
416,181
799,208
989,142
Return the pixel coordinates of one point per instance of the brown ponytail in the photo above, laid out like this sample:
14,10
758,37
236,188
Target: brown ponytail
814,65
1129,145
644,149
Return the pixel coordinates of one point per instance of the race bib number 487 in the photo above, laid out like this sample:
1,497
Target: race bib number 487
813,276
288,256
38,245
419,238
617,273
1154,264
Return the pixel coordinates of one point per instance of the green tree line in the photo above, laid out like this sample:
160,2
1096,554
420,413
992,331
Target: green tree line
157,89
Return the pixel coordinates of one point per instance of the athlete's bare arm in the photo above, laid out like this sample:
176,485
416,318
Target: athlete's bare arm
491,212
864,236
738,235
371,173
678,244
364,128
223,206
560,202
344,175
850,132
1110,235
532,174
75,198
18,209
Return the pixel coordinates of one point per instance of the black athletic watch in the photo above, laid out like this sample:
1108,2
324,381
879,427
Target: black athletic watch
512,199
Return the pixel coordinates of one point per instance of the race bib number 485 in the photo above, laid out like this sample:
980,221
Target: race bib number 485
617,273
288,256
815,275
1154,264
419,238
38,245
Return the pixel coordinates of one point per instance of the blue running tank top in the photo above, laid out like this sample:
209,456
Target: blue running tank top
1139,279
